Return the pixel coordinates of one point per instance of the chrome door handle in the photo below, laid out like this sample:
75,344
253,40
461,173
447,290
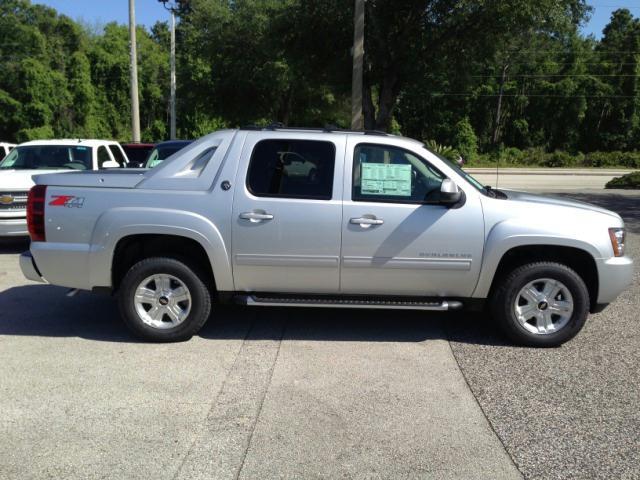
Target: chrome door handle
366,221
256,216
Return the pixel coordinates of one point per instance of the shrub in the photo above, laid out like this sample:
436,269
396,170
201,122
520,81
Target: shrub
628,181
465,140
558,159
445,151
612,159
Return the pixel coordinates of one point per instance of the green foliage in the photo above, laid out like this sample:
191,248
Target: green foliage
512,81
537,157
465,140
445,151
628,181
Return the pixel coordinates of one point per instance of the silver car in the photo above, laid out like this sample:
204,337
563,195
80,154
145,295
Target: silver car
322,218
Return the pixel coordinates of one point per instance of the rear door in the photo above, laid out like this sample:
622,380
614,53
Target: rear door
287,213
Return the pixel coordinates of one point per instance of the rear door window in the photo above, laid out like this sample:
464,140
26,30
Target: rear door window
292,169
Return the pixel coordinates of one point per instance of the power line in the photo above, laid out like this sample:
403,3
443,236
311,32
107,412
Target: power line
536,95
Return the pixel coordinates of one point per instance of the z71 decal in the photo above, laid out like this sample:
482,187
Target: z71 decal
69,201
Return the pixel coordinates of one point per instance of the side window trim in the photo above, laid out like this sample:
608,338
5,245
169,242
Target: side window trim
381,199
292,196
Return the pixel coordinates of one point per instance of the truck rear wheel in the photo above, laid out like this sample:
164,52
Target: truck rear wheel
541,304
164,300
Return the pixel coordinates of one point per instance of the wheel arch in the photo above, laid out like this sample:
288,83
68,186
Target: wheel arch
133,248
173,233
578,259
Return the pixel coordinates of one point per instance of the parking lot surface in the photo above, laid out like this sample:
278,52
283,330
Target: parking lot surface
299,393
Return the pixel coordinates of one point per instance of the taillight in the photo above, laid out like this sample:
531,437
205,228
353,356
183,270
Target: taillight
35,213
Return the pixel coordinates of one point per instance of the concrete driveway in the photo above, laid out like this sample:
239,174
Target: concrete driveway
318,393
261,393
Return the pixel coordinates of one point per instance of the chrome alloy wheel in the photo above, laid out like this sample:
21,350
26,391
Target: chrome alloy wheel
543,306
162,301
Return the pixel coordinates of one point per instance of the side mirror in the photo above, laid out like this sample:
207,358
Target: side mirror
110,164
449,192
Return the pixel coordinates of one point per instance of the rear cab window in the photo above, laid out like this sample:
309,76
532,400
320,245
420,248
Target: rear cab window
292,169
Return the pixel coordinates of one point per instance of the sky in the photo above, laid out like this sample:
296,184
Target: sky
150,11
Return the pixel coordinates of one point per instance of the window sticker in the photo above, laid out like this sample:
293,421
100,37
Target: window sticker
386,179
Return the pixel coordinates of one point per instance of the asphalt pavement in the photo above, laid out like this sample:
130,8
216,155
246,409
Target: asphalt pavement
313,393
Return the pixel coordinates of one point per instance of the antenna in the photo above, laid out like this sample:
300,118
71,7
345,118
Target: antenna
497,169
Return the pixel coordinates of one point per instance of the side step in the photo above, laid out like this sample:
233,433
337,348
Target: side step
346,302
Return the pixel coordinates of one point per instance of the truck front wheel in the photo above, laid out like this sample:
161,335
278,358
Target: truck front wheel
541,304
164,300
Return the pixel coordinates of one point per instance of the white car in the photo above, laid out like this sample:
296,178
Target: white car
47,156
5,148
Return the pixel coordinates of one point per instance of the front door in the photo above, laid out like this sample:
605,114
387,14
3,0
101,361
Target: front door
396,238
287,216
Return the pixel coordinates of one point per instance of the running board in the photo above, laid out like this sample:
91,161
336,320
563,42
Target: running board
329,302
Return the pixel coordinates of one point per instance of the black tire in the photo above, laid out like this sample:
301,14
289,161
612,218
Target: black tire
504,297
194,281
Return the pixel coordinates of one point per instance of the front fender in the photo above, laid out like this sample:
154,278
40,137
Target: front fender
118,223
507,235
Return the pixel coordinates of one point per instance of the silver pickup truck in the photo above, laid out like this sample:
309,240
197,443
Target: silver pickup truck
322,218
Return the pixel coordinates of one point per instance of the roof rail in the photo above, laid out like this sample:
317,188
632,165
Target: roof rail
326,129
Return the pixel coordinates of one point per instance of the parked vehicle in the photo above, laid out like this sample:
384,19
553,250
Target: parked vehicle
164,150
293,217
5,148
44,156
137,153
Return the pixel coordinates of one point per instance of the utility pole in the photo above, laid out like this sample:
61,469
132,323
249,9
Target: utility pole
172,102
357,122
133,69
175,7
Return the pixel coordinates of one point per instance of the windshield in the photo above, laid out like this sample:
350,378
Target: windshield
158,154
475,183
40,157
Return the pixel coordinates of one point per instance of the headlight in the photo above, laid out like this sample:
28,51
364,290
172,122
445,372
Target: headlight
617,241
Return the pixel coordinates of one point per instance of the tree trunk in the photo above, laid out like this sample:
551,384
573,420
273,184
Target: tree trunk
496,127
368,108
387,101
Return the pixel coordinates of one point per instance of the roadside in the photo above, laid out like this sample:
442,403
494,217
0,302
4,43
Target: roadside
546,179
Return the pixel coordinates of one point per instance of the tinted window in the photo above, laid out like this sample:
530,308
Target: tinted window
117,154
137,155
162,152
103,156
292,168
384,173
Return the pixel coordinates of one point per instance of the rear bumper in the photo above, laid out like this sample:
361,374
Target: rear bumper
29,269
13,227
615,276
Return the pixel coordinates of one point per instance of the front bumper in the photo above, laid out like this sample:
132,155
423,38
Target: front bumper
615,276
13,227
29,269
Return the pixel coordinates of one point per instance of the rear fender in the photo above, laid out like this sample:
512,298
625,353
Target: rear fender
118,223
